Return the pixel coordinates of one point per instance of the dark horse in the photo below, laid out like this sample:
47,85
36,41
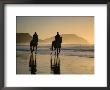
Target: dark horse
56,45
33,44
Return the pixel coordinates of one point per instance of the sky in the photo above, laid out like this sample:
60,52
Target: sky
48,26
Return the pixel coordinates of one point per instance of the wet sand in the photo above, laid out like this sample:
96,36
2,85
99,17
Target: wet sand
68,64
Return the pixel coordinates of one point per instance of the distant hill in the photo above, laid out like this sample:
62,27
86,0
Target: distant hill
68,38
25,38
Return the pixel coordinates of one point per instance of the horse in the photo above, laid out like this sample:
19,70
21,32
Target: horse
56,45
33,44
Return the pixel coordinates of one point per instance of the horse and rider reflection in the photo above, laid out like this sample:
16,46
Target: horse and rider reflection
32,64
55,64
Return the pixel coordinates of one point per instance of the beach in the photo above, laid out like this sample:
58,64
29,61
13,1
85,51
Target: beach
68,63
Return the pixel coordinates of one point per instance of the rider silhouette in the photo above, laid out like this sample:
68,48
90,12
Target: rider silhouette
58,40
35,37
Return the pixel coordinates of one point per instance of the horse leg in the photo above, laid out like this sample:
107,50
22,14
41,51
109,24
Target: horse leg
36,48
57,51
33,48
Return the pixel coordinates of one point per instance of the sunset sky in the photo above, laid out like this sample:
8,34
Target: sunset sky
45,27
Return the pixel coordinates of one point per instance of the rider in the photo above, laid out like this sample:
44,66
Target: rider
35,37
57,37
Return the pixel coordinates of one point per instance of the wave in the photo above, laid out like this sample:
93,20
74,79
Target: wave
81,51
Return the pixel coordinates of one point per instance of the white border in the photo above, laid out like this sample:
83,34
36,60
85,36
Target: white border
99,79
